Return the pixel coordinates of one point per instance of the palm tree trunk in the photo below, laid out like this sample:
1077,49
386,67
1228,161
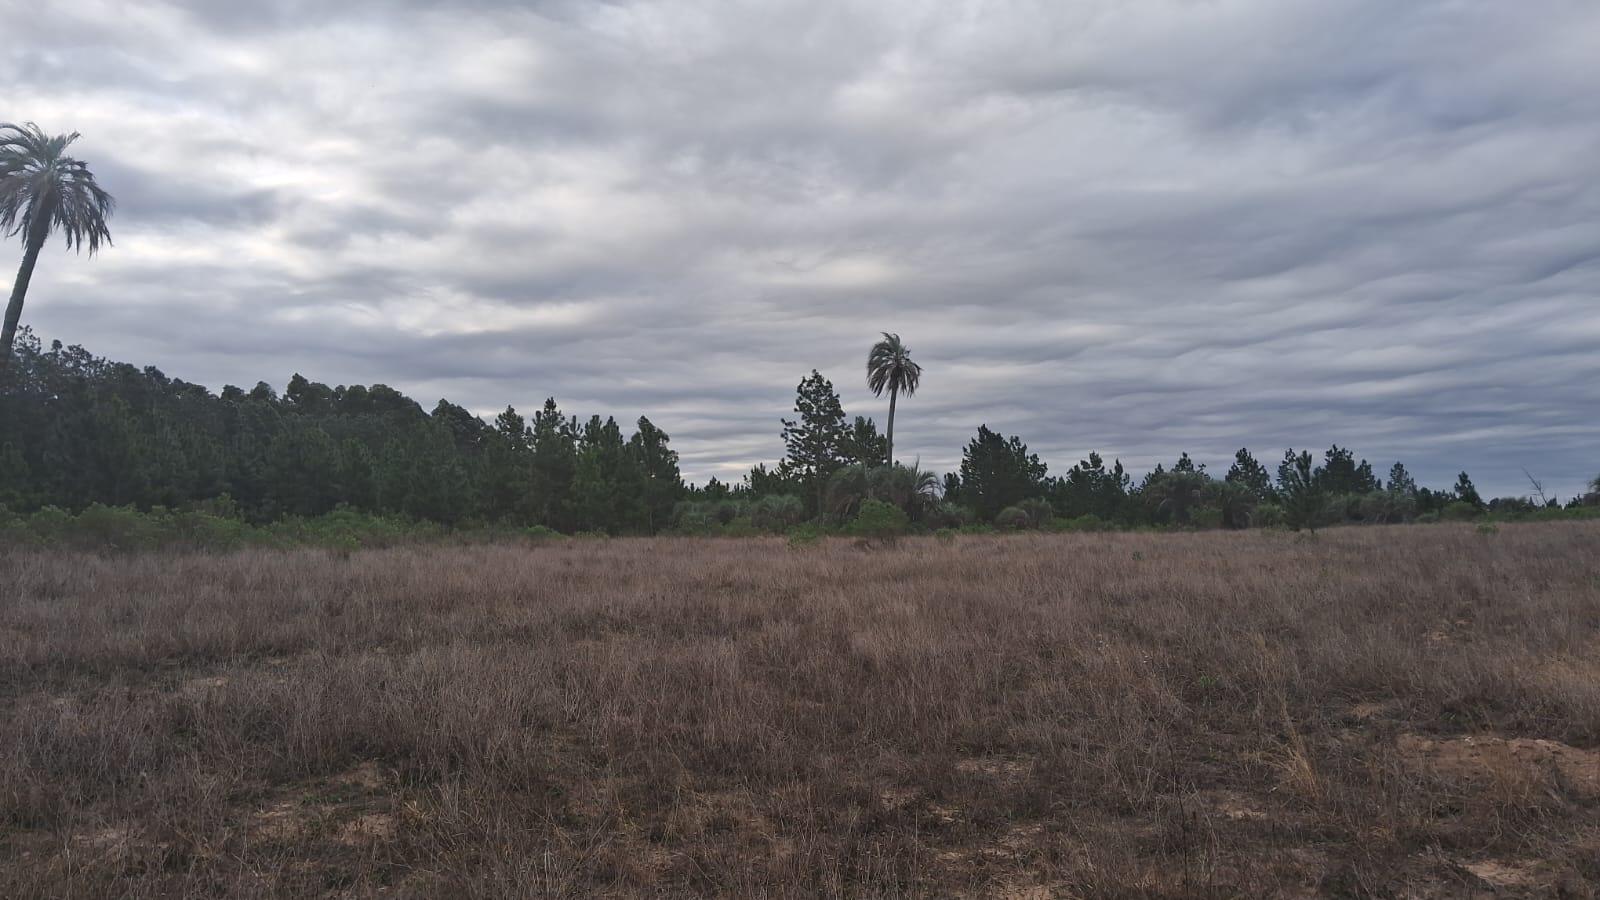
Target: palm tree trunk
14,308
893,394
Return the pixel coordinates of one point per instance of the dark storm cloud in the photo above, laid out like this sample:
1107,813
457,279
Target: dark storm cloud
1132,228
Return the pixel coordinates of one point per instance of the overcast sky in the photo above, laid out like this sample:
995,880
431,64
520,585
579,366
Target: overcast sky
1132,227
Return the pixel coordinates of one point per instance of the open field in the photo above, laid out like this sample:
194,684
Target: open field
1383,711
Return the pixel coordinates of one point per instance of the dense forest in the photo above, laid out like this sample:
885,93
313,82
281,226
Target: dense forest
78,431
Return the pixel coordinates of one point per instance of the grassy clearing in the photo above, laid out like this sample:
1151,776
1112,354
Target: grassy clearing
1377,711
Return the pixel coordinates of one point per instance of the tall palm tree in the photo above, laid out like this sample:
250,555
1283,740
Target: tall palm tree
889,366
41,190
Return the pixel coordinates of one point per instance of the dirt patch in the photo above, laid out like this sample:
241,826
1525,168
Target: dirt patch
1234,806
898,797
996,768
341,803
199,687
1371,712
366,776
281,820
1503,874
368,827
103,840
1489,757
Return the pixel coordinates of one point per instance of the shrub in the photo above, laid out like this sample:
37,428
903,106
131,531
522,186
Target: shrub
878,519
726,511
50,525
1268,515
805,535
1085,522
1459,511
1038,510
116,527
1012,518
777,513
199,529
946,516
541,533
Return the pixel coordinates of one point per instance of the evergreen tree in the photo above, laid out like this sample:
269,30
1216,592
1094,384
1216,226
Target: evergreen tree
1250,474
1185,464
1400,481
507,482
1299,489
863,445
657,464
778,481
1089,488
553,465
997,472
303,468
1466,493
1340,474
816,440
608,486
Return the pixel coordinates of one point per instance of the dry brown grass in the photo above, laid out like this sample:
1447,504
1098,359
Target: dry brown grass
1384,711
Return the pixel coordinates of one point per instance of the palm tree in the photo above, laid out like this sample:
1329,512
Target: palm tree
42,190
1177,492
889,366
912,488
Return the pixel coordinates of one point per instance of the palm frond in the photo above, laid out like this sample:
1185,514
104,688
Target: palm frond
889,367
41,188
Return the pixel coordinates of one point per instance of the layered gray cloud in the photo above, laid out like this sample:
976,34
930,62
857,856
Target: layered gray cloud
1133,228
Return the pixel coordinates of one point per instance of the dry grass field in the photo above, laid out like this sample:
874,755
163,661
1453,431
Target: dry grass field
1407,711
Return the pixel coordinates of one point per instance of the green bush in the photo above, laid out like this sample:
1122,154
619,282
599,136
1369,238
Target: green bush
777,513
878,519
806,534
1460,511
1085,522
946,516
1268,515
1012,518
117,527
1038,510
50,525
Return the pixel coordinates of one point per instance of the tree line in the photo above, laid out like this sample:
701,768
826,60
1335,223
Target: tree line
80,430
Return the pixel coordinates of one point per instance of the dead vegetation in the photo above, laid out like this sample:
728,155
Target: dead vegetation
1375,712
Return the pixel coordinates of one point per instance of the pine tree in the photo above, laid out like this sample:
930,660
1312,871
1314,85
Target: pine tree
658,465
863,444
1400,481
506,492
816,440
1340,474
997,472
554,463
1089,488
1246,471
1299,489
1467,493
